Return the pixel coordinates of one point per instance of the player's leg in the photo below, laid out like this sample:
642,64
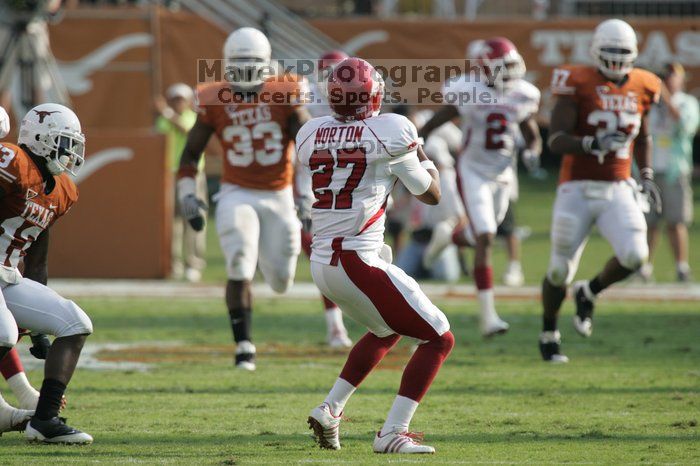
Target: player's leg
653,235
238,228
10,418
336,333
280,241
397,300
485,202
12,371
194,242
40,309
622,223
571,223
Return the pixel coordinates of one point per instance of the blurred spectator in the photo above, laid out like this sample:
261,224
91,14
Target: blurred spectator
673,125
175,118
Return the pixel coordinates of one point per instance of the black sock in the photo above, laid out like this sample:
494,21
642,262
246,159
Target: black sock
549,323
50,398
552,297
240,323
595,286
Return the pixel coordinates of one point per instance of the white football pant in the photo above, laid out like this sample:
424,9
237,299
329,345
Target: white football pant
613,208
259,227
33,306
379,295
486,200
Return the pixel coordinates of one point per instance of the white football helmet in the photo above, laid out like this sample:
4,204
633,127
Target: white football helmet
247,54
53,132
614,48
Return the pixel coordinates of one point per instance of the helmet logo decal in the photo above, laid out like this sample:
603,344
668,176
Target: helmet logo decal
43,114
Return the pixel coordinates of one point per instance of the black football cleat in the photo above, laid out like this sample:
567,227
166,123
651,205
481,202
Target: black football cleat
55,430
549,347
585,303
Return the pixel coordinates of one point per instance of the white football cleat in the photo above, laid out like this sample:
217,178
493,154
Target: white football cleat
550,348
439,240
245,356
584,327
325,426
493,326
13,418
339,339
193,275
401,442
514,275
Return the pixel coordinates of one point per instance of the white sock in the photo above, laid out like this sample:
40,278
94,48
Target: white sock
487,306
334,321
400,415
514,265
682,267
4,404
339,396
25,393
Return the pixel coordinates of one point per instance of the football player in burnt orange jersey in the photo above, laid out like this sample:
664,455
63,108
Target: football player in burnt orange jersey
35,191
256,115
599,122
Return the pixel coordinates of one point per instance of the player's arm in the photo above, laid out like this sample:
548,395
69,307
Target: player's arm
36,261
562,138
420,176
642,156
562,126
191,207
36,268
443,115
533,143
297,118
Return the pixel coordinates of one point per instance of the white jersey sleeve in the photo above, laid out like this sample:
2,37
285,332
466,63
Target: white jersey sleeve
396,133
526,100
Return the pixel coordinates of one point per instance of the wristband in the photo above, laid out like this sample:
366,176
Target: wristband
647,173
428,165
168,113
186,186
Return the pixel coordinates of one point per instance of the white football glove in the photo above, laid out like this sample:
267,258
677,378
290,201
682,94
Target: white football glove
531,160
303,205
192,208
603,143
4,123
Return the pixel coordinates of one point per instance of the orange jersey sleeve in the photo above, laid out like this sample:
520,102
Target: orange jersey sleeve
604,107
254,130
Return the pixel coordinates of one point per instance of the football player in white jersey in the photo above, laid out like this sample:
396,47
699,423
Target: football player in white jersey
355,158
506,107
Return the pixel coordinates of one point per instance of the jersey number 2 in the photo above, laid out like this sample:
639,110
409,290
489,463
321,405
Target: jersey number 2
322,164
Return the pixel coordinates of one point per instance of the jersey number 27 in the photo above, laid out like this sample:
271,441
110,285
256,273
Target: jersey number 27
322,164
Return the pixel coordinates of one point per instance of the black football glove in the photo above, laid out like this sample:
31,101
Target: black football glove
40,345
194,211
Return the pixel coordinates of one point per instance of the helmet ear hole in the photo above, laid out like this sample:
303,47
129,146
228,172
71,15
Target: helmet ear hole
36,136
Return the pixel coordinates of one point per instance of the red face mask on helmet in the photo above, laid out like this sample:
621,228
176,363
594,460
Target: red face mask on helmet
355,90
500,60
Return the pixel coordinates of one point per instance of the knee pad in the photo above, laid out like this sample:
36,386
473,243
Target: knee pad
635,256
8,336
77,321
559,271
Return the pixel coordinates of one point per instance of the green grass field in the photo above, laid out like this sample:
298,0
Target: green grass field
629,396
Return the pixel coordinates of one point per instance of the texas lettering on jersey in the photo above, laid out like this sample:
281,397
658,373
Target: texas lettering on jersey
26,210
254,131
603,107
